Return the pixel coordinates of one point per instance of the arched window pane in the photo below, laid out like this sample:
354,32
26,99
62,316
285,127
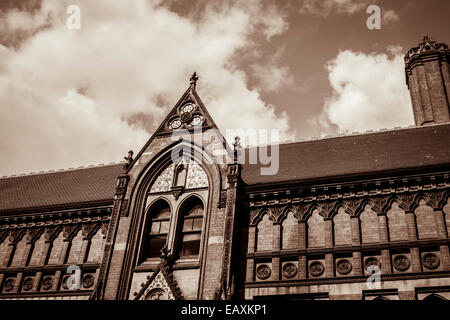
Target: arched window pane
157,229
191,215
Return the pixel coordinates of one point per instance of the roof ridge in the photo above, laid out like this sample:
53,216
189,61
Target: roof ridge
91,166
346,134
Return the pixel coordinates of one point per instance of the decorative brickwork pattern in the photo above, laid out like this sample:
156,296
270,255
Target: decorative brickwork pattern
164,180
196,177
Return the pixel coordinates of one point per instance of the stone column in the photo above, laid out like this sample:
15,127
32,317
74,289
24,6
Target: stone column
251,238
329,265
17,282
328,232
445,257
276,246
415,260
357,270
250,269
302,267
385,262
301,235
37,279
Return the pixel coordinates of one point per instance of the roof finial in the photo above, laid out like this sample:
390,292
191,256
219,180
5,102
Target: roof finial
237,148
193,80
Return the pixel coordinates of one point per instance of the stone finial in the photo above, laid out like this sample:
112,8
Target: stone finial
129,159
237,147
193,80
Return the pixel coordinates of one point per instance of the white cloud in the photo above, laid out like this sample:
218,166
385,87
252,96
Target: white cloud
369,92
66,95
271,75
324,8
390,16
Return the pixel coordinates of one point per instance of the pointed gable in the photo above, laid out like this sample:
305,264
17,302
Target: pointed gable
160,286
189,113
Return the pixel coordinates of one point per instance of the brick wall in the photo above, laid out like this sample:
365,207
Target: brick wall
342,228
19,252
3,250
38,251
75,248
56,250
398,229
96,247
289,232
369,226
264,234
426,221
316,230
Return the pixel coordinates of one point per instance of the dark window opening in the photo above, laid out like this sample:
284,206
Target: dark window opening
191,222
157,229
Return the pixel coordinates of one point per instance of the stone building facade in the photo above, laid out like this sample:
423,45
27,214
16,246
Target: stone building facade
361,216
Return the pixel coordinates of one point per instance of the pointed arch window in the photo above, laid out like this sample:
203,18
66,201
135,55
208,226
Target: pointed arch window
190,228
158,220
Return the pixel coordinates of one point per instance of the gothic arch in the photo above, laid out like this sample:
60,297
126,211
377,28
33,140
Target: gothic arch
330,209
137,195
180,222
260,214
434,297
388,204
309,211
362,206
284,213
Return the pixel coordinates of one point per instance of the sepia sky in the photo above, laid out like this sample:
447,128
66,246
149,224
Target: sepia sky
306,67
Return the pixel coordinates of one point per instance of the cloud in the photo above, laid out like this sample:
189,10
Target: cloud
324,8
271,76
77,97
390,16
369,92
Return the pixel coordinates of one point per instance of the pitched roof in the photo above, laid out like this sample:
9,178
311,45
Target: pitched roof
86,185
399,149
410,148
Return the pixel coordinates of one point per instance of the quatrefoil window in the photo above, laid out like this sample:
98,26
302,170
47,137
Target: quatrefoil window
188,116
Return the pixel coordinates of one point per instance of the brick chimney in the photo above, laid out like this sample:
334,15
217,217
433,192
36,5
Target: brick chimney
428,81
